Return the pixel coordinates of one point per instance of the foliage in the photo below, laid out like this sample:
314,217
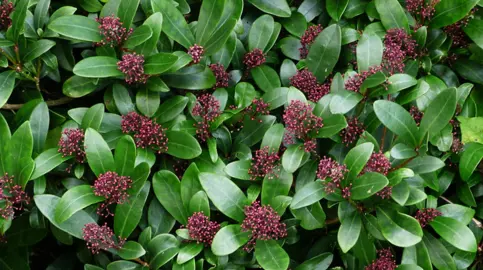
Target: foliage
231,134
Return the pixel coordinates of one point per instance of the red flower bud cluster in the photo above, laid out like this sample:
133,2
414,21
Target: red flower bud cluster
13,197
112,32
331,172
306,82
6,8
201,229
385,261
352,132
300,122
132,65
113,188
456,33
346,192
71,143
257,108
355,82
422,8
385,193
378,163
207,108
147,133
426,216
101,238
398,45
416,114
264,164
457,145
308,38
254,58
222,77
263,223
196,52
180,166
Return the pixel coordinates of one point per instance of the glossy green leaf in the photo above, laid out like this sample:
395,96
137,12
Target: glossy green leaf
47,161
224,194
369,50
324,52
320,262
131,250
270,255
308,195
357,158
228,239
97,67
367,185
174,24
399,229
292,157
77,27
75,199
138,36
39,123
239,169
425,164
98,153
162,249
167,188
182,145
470,159
7,82
188,252
440,257
125,155
349,231
128,214
450,11
439,112
93,117
171,108
18,20
266,78
159,63
37,48
392,14
278,8
455,233
194,77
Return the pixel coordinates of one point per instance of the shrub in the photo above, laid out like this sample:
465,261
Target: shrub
231,134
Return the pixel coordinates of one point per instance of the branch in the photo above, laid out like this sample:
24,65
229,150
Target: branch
50,103
477,222
143,263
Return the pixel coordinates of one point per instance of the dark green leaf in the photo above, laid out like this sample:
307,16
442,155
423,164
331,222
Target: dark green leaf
292,157
37,48
319,262
74,200
98,153
138,36
128,214
470,159
392,14
171,108
228,240
278,8
270,255
266,78
159,63
369,51
7,82
125,155
131,250
77,27
147,102
450,11
336,8
455,233
18,20
367,185
174,24
357,158
425,164
182,145
440,257
47,161
439,112
97,67
308,195
168,191
93,117
188,252
39,123
194,77
126,11
162,248
399,229
239,169
324,52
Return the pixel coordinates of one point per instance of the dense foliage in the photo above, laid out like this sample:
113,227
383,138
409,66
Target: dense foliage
231,134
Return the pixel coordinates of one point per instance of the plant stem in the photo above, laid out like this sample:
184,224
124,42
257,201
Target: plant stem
50,103
143,263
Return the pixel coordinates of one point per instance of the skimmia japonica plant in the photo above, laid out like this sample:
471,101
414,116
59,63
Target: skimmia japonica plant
232,134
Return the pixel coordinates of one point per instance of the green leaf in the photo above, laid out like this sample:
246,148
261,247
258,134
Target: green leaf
425,164
128,214
131,250
7,82
344,101
473,29
392,14
357,158
292,157
471,129
470,159
324,52
399,229
47,161
48,203
122,99
228,239
273,138
266,78
147,101
36,49
308,195
450,11
440,257
369,51
470,70
225,195
93,117
171,108
239,169
76,86
41,14
182,145
311,217
439,112
138,36
199,203
174,24
188,252
210,15
97,67
159,219
455,233
125,155
155,22
162,249
254,130
402,151
159,63
260,33
295,25
19,148
457,212
398,82
278,8
39,123
332,125
193,77
398,120
272,188
349,231
367,185
77,27
270,255
18,20
98,153
319,262
123,265
336,8
126,11
167,189
190,184
74,200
